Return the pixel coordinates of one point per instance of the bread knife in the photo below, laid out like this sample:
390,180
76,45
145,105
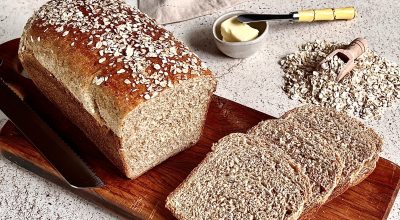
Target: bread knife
327,14
50,145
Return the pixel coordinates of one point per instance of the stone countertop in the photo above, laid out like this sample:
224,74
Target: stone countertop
255,82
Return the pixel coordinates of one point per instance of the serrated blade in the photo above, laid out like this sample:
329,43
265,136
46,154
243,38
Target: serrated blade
46,141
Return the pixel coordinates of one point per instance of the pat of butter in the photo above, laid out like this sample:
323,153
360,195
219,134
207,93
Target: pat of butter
233,30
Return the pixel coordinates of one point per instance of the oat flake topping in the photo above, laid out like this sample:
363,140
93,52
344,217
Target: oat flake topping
123,35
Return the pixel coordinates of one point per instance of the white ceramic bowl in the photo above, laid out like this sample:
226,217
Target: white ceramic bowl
239,49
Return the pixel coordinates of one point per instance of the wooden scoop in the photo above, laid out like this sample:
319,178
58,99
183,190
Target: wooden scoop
348,55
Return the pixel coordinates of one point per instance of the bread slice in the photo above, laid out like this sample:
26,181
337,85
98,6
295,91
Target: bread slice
320,161
135,90
357,144
242,178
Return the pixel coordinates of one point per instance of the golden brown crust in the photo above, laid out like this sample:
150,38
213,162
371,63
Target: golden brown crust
55,53
66,44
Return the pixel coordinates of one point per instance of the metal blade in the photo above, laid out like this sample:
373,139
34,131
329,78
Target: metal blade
46,141
250,18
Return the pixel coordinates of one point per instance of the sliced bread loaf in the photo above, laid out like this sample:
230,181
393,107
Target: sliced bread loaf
242,178
357,144
320,161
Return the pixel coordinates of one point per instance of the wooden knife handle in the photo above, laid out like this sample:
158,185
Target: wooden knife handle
328,14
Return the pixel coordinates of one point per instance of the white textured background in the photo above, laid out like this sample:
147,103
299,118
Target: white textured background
255,82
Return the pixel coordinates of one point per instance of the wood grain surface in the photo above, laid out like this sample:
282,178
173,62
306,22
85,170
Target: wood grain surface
145,196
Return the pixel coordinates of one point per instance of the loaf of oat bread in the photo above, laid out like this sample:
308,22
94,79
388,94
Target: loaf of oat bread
242,178
136,91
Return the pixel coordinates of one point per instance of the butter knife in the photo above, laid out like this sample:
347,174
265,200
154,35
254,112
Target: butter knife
327,14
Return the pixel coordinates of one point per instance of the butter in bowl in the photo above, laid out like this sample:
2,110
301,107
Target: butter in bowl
236,39
240,34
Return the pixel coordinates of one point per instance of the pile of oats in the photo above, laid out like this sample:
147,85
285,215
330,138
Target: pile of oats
371,87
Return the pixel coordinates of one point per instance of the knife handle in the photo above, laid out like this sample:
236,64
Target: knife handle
328,14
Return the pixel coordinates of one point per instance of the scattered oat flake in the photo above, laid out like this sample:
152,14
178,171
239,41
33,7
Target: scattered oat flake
366,92
101,60
99,44
129,51
98,80
163,83
117,53
157,66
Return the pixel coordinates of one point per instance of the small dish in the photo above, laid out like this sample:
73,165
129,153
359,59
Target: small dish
239,49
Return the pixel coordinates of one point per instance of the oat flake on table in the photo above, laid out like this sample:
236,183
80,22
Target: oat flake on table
371,87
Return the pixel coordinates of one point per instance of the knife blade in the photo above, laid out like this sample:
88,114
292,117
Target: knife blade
250,18
46,141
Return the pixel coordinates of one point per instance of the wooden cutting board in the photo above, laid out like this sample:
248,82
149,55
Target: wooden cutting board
145,196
